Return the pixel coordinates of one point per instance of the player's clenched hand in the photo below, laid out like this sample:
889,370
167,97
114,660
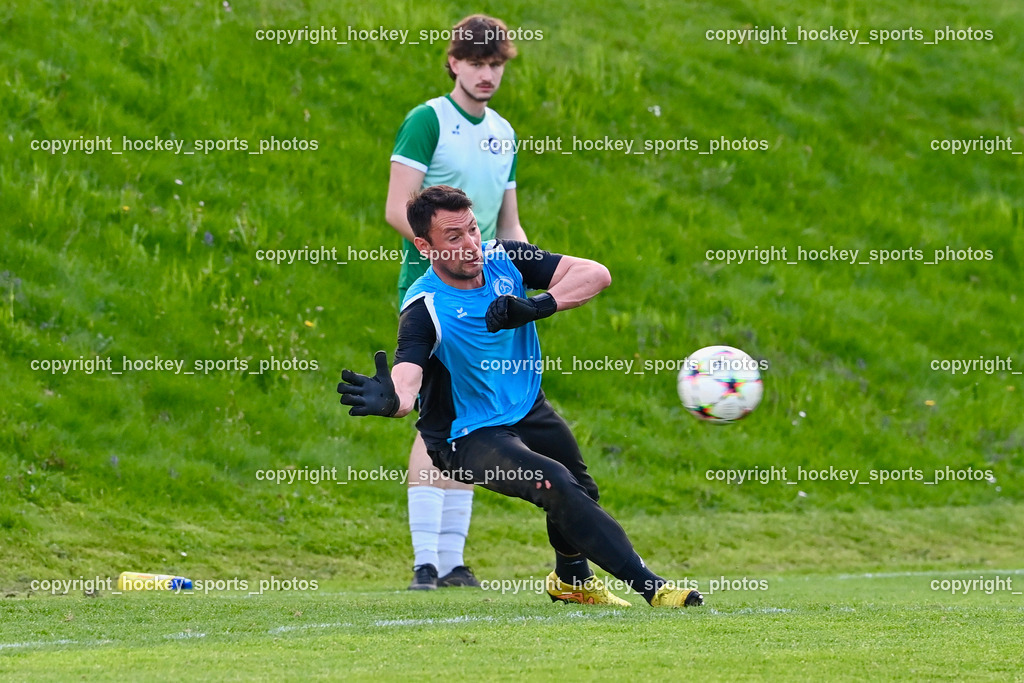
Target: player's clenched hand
508,312
370,395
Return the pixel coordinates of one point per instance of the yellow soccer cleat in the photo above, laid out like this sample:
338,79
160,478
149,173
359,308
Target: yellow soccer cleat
670,596
592,592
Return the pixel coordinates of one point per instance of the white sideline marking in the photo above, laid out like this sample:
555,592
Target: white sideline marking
464,619
36,643
577,614
286,629
897,575
750,610
424,622
46,643
184,635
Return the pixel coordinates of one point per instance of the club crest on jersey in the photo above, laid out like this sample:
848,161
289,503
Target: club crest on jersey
504,286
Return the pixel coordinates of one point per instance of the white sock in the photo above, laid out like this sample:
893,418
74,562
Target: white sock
425,506
458,508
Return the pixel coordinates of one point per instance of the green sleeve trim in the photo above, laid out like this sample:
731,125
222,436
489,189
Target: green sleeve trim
417,136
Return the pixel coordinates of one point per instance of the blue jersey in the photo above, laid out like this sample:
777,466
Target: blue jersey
468,381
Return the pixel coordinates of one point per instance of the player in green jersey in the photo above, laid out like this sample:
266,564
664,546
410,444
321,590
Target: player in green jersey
453,140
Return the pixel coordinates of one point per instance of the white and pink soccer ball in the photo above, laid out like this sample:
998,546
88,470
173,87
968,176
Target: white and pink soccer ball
720,384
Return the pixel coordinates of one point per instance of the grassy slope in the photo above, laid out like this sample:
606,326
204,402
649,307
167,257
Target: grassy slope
108,255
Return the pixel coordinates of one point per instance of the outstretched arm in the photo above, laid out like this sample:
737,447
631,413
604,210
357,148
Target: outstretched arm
393,393
385,394
370,395
407,378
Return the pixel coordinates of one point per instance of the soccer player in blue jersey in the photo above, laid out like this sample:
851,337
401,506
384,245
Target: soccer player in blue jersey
492,428
458,140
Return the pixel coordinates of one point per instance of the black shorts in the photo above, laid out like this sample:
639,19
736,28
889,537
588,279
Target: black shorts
517,460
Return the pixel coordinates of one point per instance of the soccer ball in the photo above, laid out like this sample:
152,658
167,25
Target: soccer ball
720,384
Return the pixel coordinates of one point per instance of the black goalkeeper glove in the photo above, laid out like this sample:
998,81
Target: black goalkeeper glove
508,312
370,395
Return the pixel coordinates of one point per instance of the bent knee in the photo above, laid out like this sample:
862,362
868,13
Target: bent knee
562,487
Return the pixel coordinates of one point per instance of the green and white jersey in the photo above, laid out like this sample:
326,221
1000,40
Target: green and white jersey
474,154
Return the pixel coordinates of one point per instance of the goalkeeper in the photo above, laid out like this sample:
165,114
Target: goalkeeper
495,429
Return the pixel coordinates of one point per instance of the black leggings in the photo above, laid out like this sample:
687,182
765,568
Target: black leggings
537,459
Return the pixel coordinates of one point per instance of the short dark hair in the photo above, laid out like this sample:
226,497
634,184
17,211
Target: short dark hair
424,204
479,36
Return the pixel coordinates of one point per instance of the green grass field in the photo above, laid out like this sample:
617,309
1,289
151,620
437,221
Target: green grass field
155,254
835,627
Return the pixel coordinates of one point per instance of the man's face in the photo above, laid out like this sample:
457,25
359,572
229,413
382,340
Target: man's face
478,78
453,246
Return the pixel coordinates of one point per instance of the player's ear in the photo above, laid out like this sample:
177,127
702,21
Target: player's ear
422,246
